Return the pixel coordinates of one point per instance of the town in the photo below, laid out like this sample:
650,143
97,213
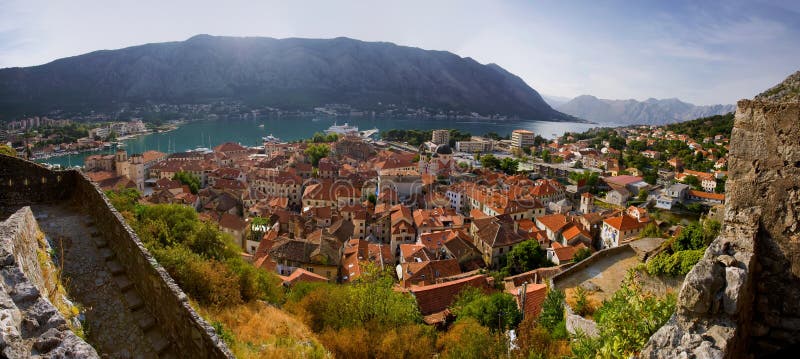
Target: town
522,215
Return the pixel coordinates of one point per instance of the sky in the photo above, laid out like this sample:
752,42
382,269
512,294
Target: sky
703,52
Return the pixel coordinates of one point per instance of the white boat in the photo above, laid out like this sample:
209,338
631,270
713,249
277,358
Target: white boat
271,139
342,130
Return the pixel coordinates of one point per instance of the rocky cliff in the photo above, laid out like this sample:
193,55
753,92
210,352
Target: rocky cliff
743,298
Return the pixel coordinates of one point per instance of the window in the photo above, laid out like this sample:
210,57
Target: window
310,269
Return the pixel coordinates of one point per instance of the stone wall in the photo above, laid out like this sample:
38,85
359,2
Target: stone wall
31,325
743,297
24,183
588,262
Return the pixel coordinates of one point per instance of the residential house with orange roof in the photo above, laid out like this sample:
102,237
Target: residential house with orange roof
427,272
619,228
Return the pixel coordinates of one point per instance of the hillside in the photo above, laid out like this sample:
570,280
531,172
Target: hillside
787,90
632,112
284,73
705,126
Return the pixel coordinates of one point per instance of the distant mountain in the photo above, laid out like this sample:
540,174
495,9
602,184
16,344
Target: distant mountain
286,73
648,112
555,101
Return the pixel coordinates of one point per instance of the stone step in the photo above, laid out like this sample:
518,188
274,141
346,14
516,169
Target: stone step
157,340
99,242
144,320
107,254
133,300
115,267
123,282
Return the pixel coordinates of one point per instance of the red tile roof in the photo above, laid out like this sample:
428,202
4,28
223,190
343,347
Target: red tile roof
437,297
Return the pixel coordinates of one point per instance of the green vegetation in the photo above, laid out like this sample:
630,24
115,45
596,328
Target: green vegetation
685,250
188,179
316,152
651,231
507,164
705,127
6,150
582,254
625,322
552,315
320,137
497,311
526,256
587,178
348,318
469,339
418,137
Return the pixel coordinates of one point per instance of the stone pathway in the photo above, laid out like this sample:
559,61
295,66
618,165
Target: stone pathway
117,322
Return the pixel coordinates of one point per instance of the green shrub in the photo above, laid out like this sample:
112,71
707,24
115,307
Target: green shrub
207,281
552,309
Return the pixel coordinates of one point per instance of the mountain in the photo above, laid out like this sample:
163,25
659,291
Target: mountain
285,73
555,101
648,112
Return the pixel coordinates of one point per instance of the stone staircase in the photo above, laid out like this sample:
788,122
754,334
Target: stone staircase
146,322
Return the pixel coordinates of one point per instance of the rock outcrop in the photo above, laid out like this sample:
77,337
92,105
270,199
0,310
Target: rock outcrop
743,298
31,326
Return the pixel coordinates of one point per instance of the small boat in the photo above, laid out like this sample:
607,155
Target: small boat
261,125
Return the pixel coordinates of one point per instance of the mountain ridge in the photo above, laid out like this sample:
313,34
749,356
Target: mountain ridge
293,72
651,111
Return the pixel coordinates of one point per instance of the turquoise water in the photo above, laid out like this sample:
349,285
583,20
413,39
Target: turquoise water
248,133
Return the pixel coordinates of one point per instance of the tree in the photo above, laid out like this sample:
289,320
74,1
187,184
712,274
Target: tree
509,165
546,156
692,181
490,161
6,150
650,231
316,152
582,254
188,179
526,256
497,311
552,309
642,195
372,199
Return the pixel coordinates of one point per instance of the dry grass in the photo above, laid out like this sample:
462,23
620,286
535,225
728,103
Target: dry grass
258,330
592,299
55,290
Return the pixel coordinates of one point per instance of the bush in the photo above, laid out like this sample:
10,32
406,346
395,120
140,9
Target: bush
497,310
207,281
626,322
468,339
582,254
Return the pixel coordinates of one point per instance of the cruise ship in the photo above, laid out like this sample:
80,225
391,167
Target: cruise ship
342,130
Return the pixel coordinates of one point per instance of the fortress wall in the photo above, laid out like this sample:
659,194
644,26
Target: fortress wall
743,298
24,183
192,335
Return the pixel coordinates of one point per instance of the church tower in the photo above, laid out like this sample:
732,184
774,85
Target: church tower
587,204
136,171
121,163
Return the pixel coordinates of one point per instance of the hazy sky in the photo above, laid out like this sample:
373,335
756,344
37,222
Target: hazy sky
698,51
